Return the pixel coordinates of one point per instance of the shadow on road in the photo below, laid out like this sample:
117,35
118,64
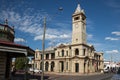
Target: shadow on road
29,77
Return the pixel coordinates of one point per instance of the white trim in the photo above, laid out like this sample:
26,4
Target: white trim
12,49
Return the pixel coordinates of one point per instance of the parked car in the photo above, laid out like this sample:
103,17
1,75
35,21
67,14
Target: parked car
31,69
35,70
106,70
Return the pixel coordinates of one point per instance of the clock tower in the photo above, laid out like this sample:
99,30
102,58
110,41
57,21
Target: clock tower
79,26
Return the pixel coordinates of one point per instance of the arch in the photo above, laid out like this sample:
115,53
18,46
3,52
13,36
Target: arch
41,66
46,66
52,65
76,52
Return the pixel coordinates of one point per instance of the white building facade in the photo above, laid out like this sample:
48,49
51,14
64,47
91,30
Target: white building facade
77,57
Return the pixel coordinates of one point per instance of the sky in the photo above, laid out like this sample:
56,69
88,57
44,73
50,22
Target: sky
27,17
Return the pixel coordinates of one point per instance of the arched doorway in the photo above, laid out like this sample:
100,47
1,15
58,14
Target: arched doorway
52,66
46,66
41,66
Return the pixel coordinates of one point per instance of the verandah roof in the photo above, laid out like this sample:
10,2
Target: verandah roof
15,50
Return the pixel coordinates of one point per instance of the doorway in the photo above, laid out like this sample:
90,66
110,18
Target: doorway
62,66
76,67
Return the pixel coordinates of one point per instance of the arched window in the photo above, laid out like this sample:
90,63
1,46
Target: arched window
46,66
83,52
62,53
47,56
52,66
76,52
41,66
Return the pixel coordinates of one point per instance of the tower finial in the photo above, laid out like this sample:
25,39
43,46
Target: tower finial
6,22
78,9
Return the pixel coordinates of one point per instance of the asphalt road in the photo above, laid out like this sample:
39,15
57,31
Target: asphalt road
106,76
82,77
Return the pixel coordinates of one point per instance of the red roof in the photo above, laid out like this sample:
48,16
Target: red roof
11,44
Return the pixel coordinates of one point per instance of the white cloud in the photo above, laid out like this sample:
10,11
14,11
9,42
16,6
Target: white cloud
116,33
89,36
111,38
52,37
47,36
26,23
64,36
33,25
19,40
112,51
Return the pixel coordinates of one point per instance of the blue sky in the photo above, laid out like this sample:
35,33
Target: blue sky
103,22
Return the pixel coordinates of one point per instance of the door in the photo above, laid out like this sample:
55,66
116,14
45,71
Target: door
76,67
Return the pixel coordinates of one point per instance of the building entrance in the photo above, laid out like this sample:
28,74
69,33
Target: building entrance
76,67
62,66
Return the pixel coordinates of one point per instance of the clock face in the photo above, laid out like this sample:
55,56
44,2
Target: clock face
76,26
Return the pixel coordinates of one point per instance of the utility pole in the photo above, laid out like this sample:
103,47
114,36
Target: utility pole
43,47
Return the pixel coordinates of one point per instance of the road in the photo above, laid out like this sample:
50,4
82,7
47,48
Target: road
82,77
65,77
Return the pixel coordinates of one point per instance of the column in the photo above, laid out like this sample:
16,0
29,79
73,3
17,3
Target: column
44,56
69,66
60,64
82,66
49,67
87,67
56,68
44,65
50,56
72,66
65,65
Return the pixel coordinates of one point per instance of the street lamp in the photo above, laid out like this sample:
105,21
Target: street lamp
43,45
43,49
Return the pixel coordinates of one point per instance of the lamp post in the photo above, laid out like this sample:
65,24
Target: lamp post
43,46
43,49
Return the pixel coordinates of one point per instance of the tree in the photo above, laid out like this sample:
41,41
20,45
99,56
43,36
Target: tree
20,63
